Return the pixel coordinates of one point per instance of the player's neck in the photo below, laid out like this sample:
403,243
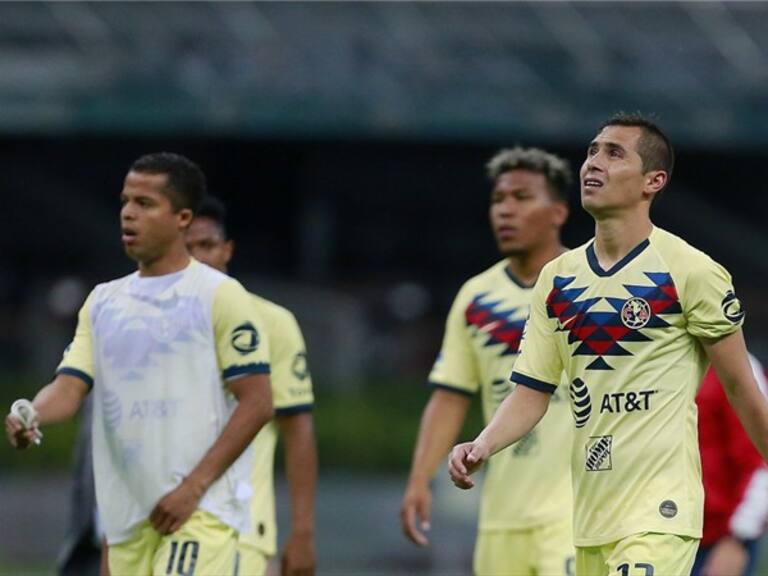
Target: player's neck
526,267
616,237
175,260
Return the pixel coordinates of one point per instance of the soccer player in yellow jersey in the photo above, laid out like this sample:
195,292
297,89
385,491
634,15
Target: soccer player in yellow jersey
633,317
526,510
207,240
176,359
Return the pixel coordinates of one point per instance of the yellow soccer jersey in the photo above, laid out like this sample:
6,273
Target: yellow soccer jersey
527,484
291,393
628,341
157,351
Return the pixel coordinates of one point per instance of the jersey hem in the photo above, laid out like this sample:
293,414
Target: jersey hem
451,388
534,383
77,374
298,409
245,370
611,538
553,518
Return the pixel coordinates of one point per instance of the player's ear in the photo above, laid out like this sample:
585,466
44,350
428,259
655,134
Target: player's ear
185,216
229,250
560,212
655,180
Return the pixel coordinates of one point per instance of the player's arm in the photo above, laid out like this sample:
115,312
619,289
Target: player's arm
440,426
297,431
254,409
56,402
517,415
728,356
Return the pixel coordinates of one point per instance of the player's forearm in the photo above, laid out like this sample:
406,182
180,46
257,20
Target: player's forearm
731,363
516,416
752,410
254,409
60,400
440,426
300,469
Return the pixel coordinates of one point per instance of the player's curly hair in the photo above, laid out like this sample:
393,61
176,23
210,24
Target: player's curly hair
556,170
186,186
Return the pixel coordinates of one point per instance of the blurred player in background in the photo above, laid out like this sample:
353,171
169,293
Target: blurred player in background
735,484
633,317
207,241
176,357
526,510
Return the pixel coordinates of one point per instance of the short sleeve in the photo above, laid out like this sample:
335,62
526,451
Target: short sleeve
456,367
710,305
78,356
539,365
241,344
291,381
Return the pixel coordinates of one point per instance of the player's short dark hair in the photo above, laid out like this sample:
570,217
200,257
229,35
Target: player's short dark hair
654,147
186,186
214,209
556,170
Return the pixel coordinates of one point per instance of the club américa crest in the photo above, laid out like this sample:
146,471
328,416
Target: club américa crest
635,313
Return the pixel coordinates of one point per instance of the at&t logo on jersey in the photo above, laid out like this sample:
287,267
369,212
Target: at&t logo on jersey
731,307
618,402
245,338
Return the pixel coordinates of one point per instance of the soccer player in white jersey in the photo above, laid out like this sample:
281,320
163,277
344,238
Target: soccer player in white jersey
208,242
178,362
526,512
633,317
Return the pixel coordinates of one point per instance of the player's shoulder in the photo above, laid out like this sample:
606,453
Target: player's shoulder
680,256
271,309
104,290
567,262
488,277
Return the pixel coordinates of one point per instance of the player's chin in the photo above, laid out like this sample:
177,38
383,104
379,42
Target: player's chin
511,249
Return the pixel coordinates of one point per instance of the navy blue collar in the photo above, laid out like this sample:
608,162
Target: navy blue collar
516,280
595,265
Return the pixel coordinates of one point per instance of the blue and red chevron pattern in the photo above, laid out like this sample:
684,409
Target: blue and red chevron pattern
492,319
600,333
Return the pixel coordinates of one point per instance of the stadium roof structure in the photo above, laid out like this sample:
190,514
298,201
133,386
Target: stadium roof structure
472,70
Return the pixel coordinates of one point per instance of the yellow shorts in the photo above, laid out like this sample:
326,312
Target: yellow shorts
250,560
545,550
203,546
646,554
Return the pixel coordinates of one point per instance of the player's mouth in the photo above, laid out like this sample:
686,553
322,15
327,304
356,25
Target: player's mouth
506,232
129,236
592,183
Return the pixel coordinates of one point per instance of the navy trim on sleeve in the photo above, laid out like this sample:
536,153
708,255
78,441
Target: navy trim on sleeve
245,370
77,374
529,382
449,388
290,410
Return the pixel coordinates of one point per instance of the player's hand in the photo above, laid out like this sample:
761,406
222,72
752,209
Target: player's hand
727,558
465,459
416,507
175,508
18,436
298,555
